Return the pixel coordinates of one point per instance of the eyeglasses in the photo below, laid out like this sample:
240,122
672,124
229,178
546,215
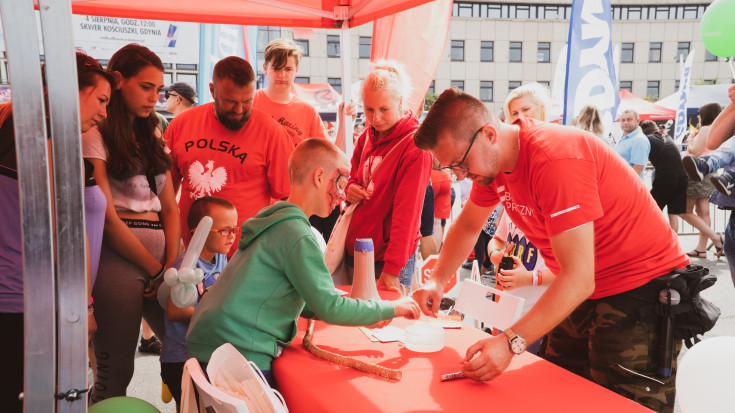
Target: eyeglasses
460,165
225,232
343,177
168,94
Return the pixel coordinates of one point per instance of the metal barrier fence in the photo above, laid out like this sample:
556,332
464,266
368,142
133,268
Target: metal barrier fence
719,218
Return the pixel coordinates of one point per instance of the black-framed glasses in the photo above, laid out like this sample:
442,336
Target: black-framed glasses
167,94
460,165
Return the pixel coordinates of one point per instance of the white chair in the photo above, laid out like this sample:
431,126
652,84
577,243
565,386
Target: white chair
476,301
210,398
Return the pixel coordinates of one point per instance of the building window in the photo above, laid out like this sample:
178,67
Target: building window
486,51
544,52
633,13
301,79
676,85
457,51
486,90
463,9
626,53
682,51
336,83
545,83
709,57
431,88
459,84
654,53
494,11
513,84
522,11
627,85
304,43
653,89
265,35
689,12
661,13
710,81
551,12
366,46
332,46
516,52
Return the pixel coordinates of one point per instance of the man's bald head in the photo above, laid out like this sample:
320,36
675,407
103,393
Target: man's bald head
455,113
312,154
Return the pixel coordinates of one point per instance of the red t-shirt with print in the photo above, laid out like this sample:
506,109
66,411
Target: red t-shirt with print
246,167
564,178
299,119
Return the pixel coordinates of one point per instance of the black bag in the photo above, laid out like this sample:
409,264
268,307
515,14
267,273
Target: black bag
694,315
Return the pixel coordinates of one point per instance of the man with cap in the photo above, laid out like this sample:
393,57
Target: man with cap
180,97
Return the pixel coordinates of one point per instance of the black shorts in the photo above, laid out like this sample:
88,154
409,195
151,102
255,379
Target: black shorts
671,192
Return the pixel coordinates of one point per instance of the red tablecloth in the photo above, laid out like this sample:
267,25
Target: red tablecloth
530,384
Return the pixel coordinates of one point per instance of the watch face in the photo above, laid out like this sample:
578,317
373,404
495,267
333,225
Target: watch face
518,345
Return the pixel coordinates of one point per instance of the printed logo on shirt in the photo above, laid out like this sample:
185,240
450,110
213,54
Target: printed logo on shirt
202,289
369,169
509,205
523,249
205,180
221,146
291,128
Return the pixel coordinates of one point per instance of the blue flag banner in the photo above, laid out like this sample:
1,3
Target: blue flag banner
217,41
681,109
590,76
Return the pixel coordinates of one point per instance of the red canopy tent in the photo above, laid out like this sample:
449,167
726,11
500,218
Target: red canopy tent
328,14
645,109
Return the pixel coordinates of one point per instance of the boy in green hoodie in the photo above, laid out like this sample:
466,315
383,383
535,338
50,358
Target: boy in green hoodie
279,268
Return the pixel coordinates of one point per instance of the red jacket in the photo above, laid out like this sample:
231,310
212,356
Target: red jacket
392,215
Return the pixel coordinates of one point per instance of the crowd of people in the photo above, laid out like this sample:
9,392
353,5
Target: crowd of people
557,199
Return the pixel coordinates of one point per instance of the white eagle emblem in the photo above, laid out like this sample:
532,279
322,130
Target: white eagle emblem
206,181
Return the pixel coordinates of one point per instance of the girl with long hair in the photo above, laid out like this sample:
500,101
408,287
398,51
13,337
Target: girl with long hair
141,232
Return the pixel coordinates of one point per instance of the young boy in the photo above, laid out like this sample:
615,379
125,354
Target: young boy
279,269
298,118
212,261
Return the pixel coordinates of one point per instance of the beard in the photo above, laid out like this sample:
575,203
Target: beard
229,123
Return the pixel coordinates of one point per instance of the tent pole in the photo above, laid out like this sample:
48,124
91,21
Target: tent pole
71,262
346,86
19,25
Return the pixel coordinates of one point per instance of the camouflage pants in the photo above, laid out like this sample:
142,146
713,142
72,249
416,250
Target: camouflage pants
593,343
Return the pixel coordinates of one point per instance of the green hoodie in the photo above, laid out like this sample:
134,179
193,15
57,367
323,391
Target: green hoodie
277,269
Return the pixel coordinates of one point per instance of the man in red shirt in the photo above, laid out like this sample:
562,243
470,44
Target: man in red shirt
227,148
595,224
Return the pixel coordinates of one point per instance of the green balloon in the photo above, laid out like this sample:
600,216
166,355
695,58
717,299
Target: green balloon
123,405
718,28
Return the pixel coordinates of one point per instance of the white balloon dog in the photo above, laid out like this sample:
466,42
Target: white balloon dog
183,282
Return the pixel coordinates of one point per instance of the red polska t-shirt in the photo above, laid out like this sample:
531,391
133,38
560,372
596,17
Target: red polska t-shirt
299,119
565,178
247,167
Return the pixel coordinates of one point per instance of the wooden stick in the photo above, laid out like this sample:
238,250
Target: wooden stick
347,361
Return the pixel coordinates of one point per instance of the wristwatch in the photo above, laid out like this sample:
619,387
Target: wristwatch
516,343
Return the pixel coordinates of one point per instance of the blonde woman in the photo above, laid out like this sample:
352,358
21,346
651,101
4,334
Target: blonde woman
388,177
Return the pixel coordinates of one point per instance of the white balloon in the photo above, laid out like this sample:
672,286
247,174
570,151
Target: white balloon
164,291
198,276
171,276
186,275
704,377
184,295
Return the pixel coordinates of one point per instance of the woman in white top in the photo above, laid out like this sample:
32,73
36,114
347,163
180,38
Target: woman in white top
141,234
